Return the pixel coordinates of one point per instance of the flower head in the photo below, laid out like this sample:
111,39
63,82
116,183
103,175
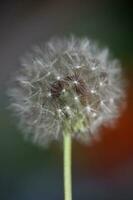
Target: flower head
68,86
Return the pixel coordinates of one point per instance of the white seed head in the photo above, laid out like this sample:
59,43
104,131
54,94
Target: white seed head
69,85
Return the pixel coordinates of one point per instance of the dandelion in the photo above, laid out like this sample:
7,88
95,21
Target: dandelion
67,90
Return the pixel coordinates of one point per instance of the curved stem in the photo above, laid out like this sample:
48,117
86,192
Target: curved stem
67,167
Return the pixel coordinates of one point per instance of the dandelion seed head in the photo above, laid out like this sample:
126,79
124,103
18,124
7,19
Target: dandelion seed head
69,85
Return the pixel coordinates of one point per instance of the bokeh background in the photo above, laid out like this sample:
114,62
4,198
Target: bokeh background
102,170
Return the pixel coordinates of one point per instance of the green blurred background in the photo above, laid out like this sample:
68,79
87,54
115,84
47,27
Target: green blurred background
102,170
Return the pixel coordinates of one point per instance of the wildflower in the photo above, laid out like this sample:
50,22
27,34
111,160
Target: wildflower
70,85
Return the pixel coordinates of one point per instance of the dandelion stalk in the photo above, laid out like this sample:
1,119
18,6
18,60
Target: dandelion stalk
67,167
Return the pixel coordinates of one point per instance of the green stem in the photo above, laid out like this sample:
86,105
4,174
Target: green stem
67,167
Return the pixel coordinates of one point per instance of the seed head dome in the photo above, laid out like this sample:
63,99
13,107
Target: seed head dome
69,85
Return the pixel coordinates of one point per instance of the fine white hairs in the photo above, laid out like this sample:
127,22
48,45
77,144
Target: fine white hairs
70,84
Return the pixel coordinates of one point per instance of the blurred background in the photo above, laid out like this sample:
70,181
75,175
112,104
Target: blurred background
102,170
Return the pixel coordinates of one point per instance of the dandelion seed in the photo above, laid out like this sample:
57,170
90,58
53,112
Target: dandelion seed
111,100
48,74
64,90
93,68
88,109
102,103
101,83
49,94
94,114
75,82
93,91
76,98
58,77
77,67
67,108
59,110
